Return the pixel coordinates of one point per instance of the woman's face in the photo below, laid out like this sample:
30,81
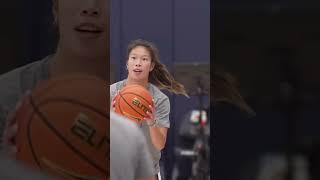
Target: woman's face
139,64
83,27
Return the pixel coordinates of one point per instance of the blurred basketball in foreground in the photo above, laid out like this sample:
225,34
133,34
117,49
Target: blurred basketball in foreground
63,128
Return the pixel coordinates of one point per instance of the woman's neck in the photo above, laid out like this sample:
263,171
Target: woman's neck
130,81
64,63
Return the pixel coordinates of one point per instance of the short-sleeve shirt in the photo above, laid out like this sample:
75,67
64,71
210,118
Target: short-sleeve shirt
12,169
162,107
129,154
15,83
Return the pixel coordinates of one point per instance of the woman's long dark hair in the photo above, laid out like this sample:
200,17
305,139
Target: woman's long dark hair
225,89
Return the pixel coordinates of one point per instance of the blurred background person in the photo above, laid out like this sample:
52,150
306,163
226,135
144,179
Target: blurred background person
271,47
232,123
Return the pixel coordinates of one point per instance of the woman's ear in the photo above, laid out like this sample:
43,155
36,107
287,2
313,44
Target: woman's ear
152,66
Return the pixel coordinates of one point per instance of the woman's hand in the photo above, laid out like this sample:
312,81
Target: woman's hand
11,129
113,102
150,118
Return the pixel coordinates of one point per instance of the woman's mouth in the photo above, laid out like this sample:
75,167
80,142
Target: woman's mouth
137,70
88,30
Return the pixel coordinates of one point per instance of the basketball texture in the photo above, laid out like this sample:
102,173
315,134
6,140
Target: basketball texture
133,102
63,128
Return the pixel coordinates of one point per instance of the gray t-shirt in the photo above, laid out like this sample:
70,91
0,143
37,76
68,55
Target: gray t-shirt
13,170
162,106
129,154
15,83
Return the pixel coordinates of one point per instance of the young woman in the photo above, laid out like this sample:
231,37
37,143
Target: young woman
83,28
144,68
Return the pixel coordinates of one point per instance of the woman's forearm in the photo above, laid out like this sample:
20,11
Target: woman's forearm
158,137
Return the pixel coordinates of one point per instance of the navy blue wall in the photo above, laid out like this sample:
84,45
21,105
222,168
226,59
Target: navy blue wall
38,30
180,28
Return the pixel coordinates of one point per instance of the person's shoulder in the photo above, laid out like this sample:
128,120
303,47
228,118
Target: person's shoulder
14,76
122,125
33,67
11,78
10,84
13,83
124,130
157,93
116,85
119,120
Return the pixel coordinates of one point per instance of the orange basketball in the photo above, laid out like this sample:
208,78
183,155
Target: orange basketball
63,128
133,102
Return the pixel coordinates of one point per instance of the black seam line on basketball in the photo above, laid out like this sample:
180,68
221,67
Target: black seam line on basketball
106,115
55,131
83,124
129,104
29,138
139,96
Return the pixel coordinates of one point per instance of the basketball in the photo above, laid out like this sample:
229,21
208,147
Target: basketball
133,102
63,128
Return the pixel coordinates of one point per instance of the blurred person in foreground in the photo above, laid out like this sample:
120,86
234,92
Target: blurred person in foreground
130,158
